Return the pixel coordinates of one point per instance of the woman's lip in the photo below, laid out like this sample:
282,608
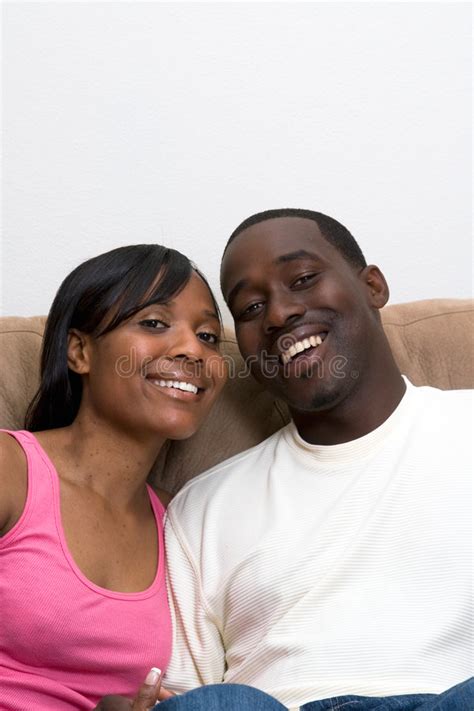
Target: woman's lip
174,377
175,393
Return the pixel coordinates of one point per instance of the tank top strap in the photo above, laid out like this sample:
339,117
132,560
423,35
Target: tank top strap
39,508
158,508
23,437
37,459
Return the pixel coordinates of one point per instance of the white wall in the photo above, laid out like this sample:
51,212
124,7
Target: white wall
130,122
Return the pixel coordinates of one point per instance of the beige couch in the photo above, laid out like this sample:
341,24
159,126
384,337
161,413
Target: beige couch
433,343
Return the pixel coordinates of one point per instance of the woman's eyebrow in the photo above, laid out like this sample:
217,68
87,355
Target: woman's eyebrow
210,314
205,313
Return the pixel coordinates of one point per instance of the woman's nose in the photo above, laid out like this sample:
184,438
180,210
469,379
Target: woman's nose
187,345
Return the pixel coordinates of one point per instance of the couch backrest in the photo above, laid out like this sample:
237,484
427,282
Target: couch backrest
433,344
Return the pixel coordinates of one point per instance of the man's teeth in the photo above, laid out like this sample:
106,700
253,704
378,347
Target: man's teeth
179,385
299,347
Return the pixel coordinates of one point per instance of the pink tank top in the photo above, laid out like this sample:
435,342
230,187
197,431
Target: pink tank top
64,641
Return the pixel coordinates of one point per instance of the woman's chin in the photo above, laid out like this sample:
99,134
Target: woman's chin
181,430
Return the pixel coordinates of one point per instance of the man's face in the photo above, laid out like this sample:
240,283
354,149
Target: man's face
305,318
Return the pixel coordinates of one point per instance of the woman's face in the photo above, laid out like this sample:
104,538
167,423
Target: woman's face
159,372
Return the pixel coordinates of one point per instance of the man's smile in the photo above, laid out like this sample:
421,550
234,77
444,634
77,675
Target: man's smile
292,345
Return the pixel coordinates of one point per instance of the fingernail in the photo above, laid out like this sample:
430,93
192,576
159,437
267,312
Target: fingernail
153,676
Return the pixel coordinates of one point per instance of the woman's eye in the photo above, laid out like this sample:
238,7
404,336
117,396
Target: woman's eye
304,279
153,323
210,338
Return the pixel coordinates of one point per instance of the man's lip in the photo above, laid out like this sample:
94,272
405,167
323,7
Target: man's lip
308,356
288,339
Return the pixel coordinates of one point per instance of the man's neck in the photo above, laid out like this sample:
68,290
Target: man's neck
361,412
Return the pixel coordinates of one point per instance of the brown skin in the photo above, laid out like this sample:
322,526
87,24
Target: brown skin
277,295
305,295
147,696
104,457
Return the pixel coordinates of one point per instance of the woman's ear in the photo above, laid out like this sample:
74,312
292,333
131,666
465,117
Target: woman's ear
377,288
78,351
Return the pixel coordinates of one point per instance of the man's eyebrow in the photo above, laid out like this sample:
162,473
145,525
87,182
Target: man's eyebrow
235,290
298,254
282,259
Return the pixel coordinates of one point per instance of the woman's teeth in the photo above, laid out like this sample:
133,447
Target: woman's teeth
299,347
179,385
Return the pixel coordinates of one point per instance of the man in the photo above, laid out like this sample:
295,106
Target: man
332,561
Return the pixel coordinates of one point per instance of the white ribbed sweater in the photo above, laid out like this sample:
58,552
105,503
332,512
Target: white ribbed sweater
314,571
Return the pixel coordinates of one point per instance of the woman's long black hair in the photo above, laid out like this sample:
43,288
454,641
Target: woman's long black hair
95,298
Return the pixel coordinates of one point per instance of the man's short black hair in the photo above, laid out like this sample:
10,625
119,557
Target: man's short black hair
333,232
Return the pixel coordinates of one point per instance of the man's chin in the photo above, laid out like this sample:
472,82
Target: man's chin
311,397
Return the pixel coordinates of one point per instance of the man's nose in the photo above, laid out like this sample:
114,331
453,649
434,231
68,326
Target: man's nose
281,311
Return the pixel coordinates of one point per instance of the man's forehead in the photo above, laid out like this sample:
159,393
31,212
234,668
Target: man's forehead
277,228
271,240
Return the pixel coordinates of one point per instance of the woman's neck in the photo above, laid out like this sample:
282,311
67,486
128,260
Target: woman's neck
112,463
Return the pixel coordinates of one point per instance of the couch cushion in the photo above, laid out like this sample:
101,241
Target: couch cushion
20,344
432,342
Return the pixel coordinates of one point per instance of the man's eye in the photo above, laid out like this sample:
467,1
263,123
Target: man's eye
153,323
304,279
210,338
251,309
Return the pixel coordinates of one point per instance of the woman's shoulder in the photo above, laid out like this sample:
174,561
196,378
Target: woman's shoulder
13,481
12,457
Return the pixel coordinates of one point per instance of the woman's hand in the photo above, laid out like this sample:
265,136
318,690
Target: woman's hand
150,693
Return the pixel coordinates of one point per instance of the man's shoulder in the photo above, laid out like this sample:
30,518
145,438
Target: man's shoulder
449,412
228,473
446,398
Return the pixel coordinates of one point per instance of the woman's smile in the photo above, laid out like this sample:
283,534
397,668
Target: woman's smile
178,389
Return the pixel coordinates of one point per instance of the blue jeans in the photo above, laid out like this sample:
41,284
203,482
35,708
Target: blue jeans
235,697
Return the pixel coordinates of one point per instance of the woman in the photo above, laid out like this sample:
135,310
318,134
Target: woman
130,359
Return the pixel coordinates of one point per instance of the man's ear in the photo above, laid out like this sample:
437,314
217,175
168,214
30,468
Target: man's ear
377,288
78,351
